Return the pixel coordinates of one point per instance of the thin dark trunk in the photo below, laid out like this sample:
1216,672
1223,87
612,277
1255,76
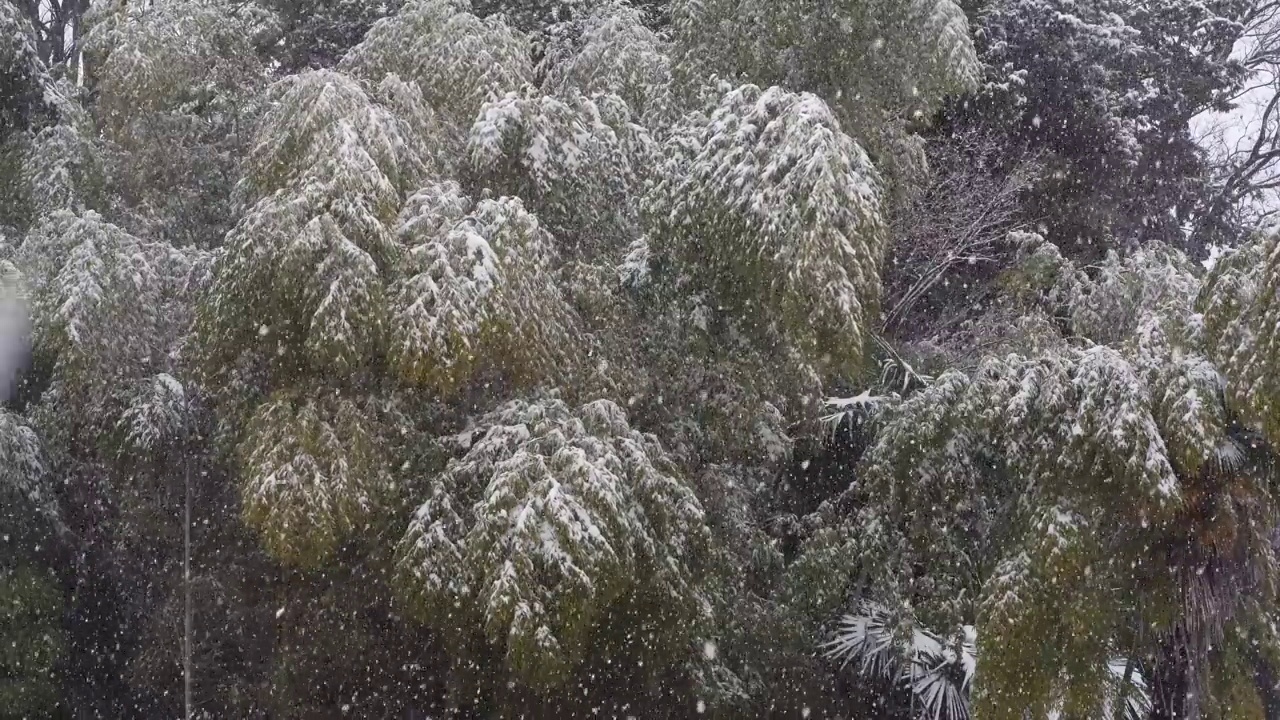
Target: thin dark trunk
1122,703
1169,683
51,31
186,563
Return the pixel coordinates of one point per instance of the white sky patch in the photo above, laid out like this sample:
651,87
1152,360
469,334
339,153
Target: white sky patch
1223,134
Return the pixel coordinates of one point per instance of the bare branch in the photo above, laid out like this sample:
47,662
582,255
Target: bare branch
958,222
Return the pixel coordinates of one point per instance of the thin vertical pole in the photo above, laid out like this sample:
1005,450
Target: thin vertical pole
186,556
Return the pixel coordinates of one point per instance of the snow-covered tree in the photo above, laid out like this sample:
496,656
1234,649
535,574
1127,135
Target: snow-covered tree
611,51
297,298
579,162
158,412
533,16
168,57
551,517
108,308
301,280
477,291
878,63
771,214
457,60
22,77
524,358
1126,77
339,265
64,171
1032,492
174,83
316,35
1239,313
24,478
313,469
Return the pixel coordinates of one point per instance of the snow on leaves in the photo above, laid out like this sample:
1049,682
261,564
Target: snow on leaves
1153,282
22,78
533,16
308,260
1141,304
877,63
939,673
331,271
311,471
457,60
1076,419
949,60
1241,305
476,290
180,58
846,43
290,269
323,129
995,496
1036,459
69,169
577,161
776,213
610,52
551,516
104,302
157,414
22,464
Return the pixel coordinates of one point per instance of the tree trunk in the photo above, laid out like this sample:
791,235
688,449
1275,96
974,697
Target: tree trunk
1170,683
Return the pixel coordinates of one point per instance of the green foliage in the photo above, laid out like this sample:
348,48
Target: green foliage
65,167
22,77
1037,458
34,642
877,63
611,52
168,59
324,132
551,517
1240,312
300,283
174,85
1101,490
312,470
771,211
23,479
534,15
107,307
457,60
475,293
579,162
298,299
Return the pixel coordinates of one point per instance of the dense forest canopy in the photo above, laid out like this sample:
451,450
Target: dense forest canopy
876,359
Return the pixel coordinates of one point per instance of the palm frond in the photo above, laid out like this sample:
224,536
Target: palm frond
1133,689
939,674
854,412
896,373
868,639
